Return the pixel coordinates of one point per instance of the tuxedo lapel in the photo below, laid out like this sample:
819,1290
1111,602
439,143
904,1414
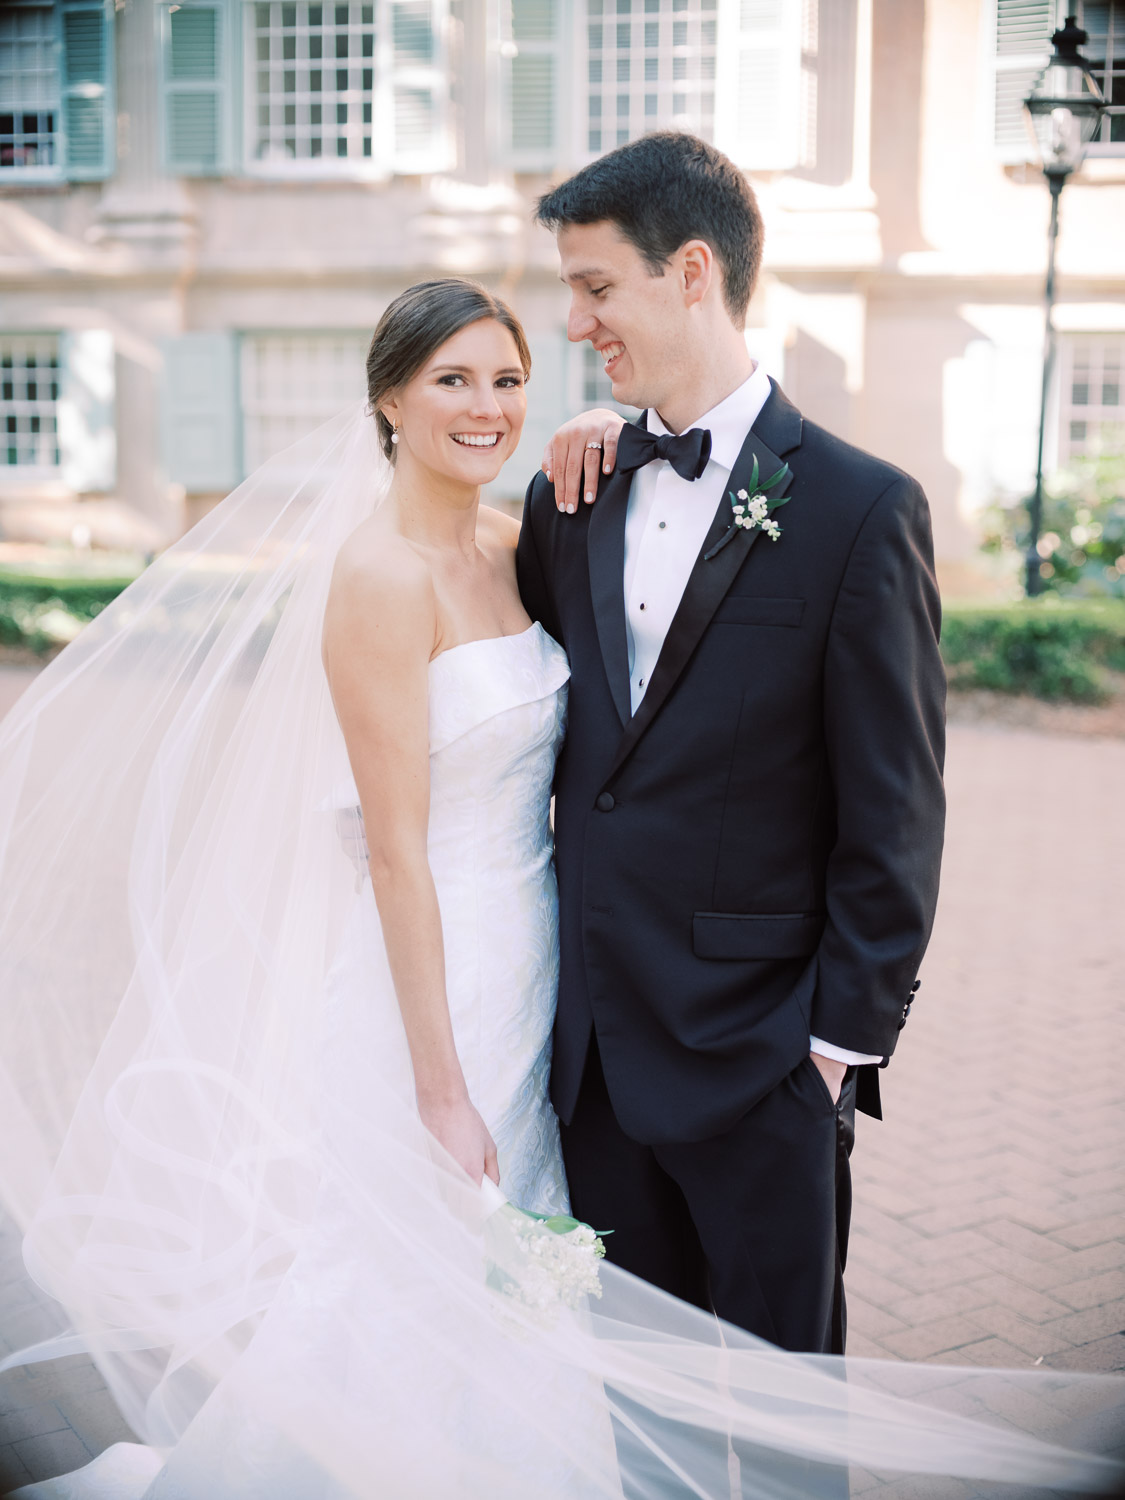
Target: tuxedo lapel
776,433
605,544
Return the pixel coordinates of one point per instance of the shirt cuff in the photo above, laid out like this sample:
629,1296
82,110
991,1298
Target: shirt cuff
841,1054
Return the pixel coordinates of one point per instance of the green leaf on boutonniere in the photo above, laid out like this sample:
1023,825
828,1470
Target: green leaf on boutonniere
767,484
751,507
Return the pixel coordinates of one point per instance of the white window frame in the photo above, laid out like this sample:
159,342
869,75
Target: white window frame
387,159
309,407
42,172
1095,413
50,343
1116,56
696,15
788,34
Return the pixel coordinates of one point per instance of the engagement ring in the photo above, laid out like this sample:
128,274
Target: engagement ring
593,445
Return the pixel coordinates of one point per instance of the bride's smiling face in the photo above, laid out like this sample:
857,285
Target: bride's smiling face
462,414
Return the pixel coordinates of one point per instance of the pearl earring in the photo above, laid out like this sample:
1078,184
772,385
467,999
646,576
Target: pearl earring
394,435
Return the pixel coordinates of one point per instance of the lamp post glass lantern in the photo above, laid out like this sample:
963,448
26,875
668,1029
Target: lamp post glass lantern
1063,113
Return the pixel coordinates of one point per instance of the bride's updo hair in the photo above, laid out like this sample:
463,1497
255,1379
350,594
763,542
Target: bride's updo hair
415,326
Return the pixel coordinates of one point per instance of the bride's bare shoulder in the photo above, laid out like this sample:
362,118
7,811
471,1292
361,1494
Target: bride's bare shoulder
495,529
380,576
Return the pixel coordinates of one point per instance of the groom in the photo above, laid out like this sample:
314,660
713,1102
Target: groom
749,803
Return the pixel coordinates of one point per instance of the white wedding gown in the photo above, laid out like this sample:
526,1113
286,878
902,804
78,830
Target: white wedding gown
497,711
497,715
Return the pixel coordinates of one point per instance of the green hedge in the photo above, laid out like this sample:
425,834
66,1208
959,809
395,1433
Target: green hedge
1052,648
41,611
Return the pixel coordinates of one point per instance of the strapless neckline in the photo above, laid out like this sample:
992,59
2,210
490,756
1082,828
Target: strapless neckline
485,640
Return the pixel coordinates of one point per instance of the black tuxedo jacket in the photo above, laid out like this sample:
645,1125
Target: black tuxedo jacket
753,855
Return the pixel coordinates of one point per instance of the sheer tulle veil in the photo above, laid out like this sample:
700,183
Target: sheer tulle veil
173,886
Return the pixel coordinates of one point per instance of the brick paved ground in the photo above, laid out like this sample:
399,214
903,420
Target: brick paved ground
990,1204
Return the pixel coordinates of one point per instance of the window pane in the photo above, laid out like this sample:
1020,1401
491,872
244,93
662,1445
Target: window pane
291,382
1092,395
28,401
29,88
290,102
640,95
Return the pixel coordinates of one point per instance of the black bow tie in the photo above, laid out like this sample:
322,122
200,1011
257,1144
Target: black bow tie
688,453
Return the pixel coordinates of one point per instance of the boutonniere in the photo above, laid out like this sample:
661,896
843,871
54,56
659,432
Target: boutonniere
752,507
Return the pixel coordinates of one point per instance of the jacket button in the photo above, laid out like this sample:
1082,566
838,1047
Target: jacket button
606,802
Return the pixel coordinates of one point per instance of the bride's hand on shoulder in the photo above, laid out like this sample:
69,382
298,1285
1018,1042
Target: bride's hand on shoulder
577,451
455,1122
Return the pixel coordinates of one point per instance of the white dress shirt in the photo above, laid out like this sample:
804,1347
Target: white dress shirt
665,523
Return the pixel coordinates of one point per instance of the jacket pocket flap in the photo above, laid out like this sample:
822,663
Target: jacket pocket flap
716,934
748,609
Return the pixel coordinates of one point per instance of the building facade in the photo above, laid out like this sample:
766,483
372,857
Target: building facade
205,206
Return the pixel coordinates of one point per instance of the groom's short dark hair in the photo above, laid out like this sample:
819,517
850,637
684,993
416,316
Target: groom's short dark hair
661,191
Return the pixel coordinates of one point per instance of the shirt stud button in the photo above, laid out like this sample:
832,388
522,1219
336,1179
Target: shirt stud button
640,682
642,606
663,524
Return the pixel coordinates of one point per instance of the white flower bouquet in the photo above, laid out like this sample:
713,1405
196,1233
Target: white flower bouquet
541,1260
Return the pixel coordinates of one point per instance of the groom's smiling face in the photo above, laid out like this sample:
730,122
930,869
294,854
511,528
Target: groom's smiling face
635,319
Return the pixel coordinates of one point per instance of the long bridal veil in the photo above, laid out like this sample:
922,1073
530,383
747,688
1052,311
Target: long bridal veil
287,1286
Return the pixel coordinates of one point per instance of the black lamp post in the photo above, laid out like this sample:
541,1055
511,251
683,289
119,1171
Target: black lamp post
1063,111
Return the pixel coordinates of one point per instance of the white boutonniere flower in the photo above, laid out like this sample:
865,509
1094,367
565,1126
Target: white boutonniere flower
752,507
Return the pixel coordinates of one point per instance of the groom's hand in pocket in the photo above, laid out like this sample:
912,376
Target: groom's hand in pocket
832,1072
576,453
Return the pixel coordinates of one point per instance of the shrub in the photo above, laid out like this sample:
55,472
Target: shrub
42,611
1082,539
1049,647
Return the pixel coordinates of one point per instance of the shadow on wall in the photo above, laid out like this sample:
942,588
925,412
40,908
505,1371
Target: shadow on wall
911,414
816,377
900,414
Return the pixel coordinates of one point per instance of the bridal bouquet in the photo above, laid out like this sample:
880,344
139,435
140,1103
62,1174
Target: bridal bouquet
542,1260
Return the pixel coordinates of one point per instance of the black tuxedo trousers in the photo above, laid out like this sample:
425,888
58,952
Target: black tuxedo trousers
751,857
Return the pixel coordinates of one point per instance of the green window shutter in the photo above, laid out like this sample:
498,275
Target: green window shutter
422,136
759,94
200,414
531,78
198,72
87,430
87,89
1022,46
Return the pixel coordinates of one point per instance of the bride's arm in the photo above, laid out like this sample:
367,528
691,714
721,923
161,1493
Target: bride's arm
379,632
579,449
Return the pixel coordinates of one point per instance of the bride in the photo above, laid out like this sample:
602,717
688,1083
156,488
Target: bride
424,636
278,954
